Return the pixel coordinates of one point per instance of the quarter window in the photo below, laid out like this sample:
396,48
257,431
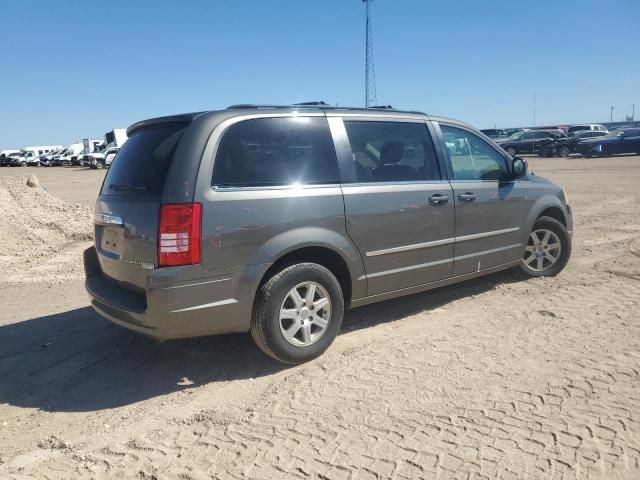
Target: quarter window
391,152
471,157
276,152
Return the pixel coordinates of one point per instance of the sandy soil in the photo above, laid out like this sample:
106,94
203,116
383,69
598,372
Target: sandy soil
494,378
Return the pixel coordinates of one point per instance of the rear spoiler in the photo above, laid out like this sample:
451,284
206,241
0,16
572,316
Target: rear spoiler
182,118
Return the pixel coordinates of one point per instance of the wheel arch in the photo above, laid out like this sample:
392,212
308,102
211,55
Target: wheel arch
316,245
549,206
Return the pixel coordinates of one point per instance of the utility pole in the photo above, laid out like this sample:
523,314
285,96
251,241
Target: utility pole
633,113
611,115
369,68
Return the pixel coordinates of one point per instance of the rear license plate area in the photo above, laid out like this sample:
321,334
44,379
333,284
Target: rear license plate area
111,241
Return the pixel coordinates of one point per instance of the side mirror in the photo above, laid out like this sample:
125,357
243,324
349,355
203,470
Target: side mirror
519,167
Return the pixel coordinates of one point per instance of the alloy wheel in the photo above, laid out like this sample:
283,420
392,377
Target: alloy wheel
305,314
543,250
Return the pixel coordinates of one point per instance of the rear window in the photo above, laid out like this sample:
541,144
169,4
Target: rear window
276,152
142,163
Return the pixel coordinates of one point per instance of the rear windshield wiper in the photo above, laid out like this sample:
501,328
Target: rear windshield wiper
126,187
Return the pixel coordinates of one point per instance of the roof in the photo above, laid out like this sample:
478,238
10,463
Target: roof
318,107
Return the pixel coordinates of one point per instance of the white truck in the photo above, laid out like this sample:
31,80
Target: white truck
113,140
73,149
31,155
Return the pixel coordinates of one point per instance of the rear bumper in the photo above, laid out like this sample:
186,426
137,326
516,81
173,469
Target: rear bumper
178,302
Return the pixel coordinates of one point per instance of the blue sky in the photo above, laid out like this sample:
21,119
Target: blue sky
75,69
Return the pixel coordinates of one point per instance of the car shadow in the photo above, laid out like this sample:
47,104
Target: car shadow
77,362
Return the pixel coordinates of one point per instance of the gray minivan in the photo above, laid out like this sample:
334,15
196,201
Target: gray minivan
274,219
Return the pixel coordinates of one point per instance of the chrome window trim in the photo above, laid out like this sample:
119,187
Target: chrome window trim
302,186
444,241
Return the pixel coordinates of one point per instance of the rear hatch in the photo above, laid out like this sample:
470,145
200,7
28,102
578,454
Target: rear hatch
127,210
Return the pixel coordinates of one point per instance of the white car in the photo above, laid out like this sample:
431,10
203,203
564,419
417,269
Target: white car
587,126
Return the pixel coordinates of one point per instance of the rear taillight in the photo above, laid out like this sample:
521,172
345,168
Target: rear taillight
179,234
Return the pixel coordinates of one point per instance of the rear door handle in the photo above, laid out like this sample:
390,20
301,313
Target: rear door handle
438,199
467,197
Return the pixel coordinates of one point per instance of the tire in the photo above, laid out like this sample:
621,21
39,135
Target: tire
99,165
511,151
564,151
23,164
605,152
274,297
531,266
65,163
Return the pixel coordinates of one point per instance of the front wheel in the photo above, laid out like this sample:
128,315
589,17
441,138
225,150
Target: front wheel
298,313
548,249
564,151
23,164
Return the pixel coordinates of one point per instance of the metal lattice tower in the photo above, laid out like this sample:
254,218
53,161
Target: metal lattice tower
369,68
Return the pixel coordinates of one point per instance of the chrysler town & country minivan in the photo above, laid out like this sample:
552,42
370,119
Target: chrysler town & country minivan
275,219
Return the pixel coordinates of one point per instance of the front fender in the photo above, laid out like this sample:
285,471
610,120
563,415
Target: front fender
539,206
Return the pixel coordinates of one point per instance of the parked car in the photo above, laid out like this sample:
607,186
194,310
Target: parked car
566,146
588,126
52,158
530,141
100,160
31,155
5,156
616,142
495,132
275,219
511,131
72,150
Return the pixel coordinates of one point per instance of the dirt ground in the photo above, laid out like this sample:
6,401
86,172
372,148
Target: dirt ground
494,378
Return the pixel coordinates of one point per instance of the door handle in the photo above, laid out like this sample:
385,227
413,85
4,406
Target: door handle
438,199
467,197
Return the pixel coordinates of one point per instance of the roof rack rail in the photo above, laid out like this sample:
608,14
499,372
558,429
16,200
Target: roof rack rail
312,104
383,107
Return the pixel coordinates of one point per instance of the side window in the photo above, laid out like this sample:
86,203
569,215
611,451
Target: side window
276,152
527,136
471,157
391,152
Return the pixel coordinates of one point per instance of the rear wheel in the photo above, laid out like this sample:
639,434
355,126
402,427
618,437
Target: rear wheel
548,249
511,151
23,164
298,313
564,151
605,152
99,165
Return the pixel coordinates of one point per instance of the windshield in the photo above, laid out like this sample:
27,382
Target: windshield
516,135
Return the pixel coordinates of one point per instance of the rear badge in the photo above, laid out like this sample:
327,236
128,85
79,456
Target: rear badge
145,265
